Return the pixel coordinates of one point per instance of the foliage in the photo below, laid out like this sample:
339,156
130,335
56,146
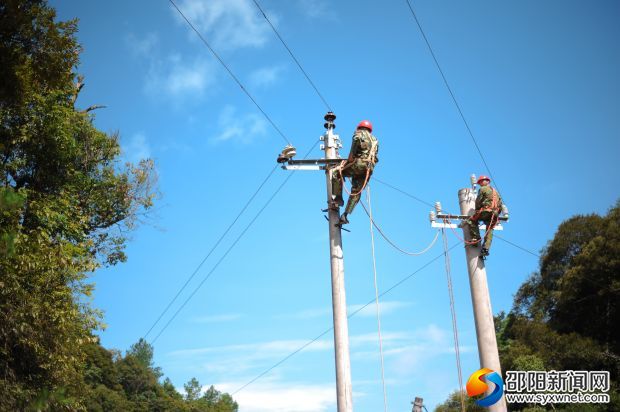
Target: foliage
67,205
130,383
453,403
564,316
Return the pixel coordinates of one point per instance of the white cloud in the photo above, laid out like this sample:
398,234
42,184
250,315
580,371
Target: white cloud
226,317
240,128
142,46
265,76
228,23
387,307
316,9
236,359
176,77
137,148
282,397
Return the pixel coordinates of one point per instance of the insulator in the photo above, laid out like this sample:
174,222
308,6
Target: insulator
431,216
289,152
505,210
438,207
473,180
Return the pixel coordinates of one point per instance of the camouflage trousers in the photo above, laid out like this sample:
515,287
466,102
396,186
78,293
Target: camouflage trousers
474,230
356,171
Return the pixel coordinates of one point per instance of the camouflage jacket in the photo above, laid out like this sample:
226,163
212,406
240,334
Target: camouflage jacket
365,146
488,200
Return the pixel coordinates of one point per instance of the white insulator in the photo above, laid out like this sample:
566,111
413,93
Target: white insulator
505,210
431,216
438,207
473,180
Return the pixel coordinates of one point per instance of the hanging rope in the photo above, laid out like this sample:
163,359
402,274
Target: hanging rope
467,242
455,330
394,245
342,166
374,268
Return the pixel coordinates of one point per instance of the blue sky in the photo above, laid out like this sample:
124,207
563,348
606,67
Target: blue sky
537,82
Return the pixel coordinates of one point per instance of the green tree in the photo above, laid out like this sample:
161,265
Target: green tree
453,403
70,206
192,389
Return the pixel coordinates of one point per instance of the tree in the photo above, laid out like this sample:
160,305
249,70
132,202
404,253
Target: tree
192,389
453,403
67,206
564,315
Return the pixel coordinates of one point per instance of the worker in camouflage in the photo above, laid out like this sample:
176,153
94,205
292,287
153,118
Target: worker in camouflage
358,167
488,208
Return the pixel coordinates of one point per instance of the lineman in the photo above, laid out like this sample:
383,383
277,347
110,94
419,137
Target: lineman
358,167
488,208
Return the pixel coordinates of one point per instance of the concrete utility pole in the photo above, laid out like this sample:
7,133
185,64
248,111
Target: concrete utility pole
339,302
481,300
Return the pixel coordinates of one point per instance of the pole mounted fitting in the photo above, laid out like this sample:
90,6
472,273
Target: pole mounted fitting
329,120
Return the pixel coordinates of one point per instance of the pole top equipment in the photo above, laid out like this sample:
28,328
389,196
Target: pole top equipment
329,120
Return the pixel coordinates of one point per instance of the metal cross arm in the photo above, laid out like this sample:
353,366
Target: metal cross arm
310,164
462,217
441,220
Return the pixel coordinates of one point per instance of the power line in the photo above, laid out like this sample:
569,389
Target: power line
247,227
293,56
403,192
458,107
212,249
431,205
310,342
519,247
230,72
222,258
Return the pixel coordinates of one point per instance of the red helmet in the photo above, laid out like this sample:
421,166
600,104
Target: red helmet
366,124
483,177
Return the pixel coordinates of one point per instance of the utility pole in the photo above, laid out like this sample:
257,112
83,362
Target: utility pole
339,303
481,300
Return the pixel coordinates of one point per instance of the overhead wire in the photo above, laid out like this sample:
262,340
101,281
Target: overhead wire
293,56
215,245
377,305
230,72
445,80
236,79
431,205
349,316
402,191
243,232
394,245
455,330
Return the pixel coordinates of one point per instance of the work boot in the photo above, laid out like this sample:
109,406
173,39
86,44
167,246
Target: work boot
339,200
484,253
343,219
333,205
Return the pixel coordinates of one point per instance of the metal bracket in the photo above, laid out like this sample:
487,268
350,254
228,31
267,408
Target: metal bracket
442,225
310,164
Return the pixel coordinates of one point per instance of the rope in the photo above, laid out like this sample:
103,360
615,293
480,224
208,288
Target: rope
455,330
394,245
467,242
340,167
374,268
